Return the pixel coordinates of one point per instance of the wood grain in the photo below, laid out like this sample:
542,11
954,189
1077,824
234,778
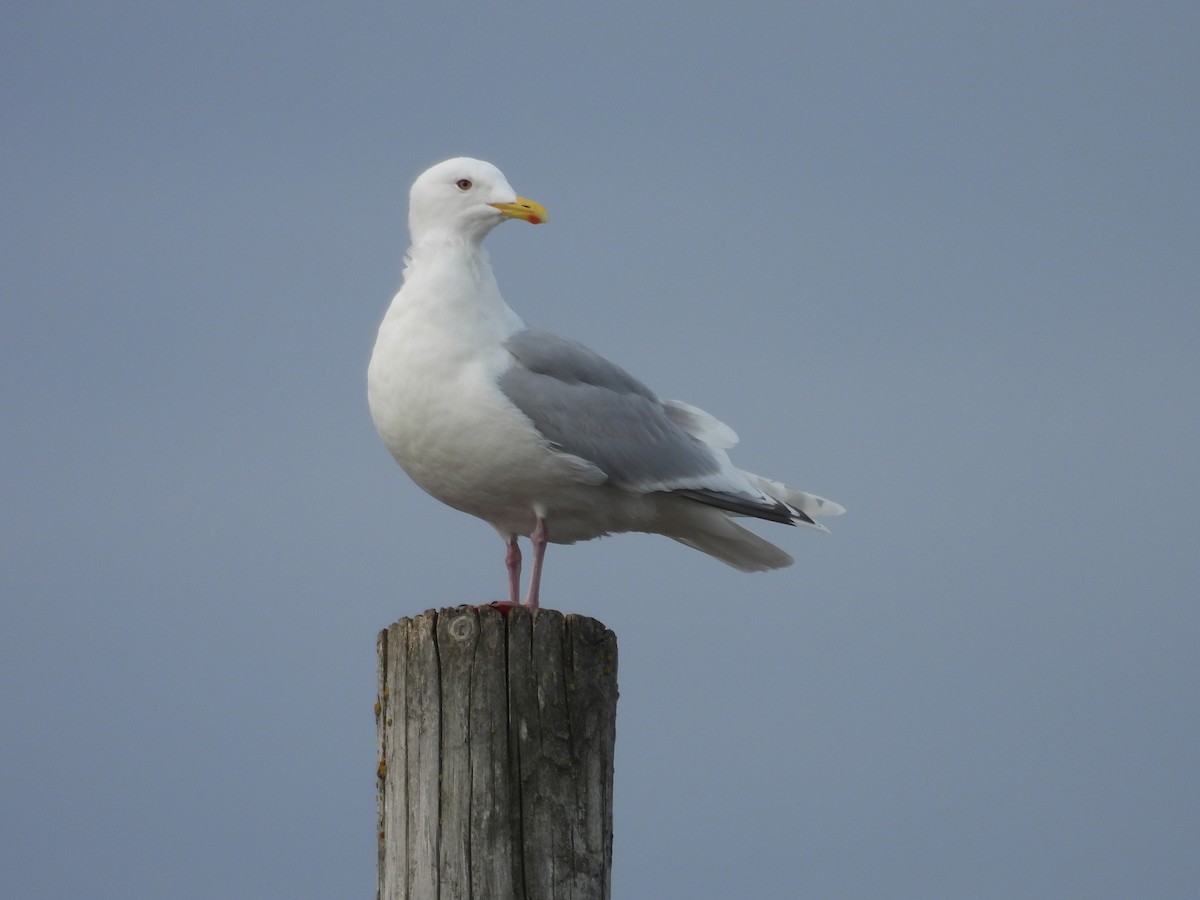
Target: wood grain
496,736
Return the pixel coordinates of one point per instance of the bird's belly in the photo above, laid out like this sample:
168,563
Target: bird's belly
462,442
472,467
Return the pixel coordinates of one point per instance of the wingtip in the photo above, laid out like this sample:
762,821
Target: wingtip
829,508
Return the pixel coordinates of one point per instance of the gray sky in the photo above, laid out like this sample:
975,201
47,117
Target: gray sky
935,261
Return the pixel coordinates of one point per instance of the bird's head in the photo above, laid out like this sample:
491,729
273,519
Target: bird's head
465,198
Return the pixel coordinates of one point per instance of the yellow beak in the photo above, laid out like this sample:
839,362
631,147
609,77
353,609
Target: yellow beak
529,210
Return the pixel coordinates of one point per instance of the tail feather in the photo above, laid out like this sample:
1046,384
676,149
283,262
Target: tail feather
711,531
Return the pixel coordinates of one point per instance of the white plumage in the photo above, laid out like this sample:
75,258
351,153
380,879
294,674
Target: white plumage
533,433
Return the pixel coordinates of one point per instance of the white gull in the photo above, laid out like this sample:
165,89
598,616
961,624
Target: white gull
537,434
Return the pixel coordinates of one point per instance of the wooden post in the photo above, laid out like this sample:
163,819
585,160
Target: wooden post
496,735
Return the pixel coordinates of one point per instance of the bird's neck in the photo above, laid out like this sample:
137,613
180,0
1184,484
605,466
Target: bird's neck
450,251
453,280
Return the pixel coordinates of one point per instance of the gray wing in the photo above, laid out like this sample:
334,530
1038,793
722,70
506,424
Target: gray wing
592,408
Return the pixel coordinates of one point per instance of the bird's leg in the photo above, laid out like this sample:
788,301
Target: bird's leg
512,559
538,539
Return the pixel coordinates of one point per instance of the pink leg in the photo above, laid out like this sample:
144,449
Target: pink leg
538,539
512,559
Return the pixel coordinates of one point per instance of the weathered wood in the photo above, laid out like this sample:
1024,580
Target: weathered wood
496,736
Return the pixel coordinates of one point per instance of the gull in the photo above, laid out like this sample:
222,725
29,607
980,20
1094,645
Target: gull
534,433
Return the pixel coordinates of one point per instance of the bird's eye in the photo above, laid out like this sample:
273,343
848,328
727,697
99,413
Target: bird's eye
464,184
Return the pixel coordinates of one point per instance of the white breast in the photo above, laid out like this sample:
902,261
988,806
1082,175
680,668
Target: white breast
434,397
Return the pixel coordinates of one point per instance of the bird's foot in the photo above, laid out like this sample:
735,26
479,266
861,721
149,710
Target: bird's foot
506,606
